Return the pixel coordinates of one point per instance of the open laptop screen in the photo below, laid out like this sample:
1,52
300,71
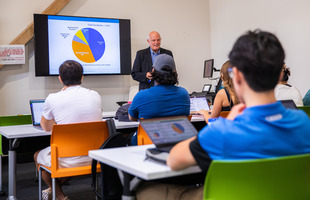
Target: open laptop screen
36,107
169,130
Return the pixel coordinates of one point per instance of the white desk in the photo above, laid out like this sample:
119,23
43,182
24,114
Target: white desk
132,161
13,133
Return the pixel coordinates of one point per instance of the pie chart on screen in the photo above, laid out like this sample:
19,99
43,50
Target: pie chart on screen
177,128
88,45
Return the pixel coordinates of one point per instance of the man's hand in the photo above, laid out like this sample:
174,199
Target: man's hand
235,111
149,75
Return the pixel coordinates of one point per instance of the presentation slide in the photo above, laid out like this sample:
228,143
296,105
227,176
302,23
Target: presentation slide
93,42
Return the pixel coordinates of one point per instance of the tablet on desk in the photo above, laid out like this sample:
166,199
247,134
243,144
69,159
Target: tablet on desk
198,103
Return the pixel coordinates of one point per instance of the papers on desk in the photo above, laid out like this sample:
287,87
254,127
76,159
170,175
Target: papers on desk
109,114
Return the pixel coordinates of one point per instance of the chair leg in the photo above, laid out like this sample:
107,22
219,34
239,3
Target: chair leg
40,183
54,188
97,185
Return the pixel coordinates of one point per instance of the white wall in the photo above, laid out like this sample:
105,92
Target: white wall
184,27
289,20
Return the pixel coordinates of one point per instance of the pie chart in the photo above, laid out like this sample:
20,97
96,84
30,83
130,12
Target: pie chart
177,128
88,45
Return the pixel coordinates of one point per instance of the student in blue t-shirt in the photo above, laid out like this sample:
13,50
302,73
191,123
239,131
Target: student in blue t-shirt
259,127
165,99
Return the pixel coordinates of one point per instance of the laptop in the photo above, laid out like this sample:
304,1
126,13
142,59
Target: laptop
36,108
206,88
198,103
165,133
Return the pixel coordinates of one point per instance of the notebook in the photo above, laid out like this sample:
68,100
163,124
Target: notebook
165,133
36,107
198,103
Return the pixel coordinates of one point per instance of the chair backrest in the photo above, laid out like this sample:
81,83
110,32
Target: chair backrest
269,179
224,113
68,140
143,138
306,109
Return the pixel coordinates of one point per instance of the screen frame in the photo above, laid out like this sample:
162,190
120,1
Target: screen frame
207,64
208,88
41,45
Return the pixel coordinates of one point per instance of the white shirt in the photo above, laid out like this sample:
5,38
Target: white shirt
73,105
285,92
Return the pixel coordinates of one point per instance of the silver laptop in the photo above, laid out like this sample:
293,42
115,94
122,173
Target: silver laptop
165,133
36,107
198,103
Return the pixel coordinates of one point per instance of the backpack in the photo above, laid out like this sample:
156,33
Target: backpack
109,186
122,113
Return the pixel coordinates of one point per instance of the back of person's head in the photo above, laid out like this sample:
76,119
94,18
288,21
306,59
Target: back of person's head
164,70
71,73
259,56
227,81
286,73
224,73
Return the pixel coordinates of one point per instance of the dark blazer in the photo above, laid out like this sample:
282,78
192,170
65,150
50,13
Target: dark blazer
142,65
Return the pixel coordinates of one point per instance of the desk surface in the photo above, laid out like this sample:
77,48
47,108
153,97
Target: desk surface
132,160
21,131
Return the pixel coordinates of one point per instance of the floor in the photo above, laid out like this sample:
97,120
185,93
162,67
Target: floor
79,188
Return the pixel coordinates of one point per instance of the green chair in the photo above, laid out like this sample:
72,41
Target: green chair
283,178
10,121
305,108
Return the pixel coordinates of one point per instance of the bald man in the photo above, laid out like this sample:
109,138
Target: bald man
143,64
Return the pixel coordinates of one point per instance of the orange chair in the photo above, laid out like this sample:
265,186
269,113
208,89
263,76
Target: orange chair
224,114
143,138
68,140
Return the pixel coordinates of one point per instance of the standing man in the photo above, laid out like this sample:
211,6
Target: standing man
73,104
143,64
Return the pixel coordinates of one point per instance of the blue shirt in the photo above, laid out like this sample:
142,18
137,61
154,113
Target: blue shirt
160,101
154,55
259,132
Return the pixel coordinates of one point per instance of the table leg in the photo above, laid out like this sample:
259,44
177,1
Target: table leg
12,170
127,193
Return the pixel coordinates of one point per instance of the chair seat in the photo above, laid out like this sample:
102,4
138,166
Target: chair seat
67,172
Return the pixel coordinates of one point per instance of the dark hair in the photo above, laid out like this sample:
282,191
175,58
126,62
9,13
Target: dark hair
71,73
168,77
259,56
286,74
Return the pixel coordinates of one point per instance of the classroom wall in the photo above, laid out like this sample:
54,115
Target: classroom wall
183,25
289,20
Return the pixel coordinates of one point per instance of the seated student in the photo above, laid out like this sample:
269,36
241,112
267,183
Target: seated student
226,98
258,127
285,91
306,99
73,104
165,99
